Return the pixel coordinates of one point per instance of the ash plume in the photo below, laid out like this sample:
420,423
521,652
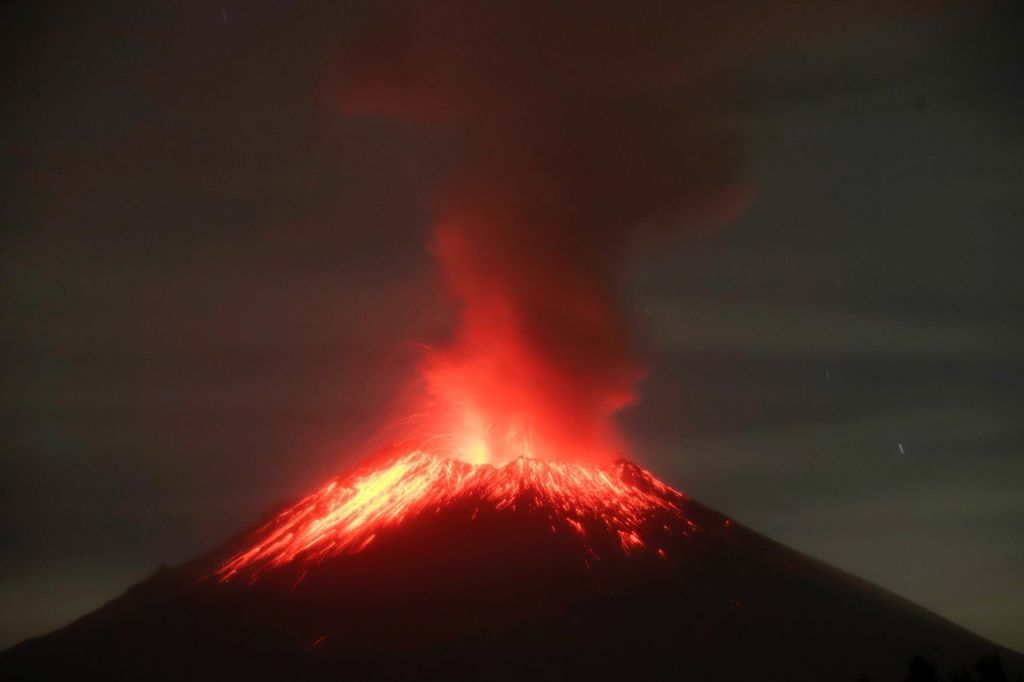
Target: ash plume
580,125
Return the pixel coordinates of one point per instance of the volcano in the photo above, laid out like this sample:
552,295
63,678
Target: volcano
420,566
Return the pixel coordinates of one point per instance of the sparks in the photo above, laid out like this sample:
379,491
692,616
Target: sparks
349,513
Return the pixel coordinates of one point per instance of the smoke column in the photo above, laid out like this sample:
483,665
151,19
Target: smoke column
579,124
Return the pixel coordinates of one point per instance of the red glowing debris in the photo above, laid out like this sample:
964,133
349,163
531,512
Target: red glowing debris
348,514
315,643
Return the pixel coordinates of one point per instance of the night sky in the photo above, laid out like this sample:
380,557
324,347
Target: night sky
215,284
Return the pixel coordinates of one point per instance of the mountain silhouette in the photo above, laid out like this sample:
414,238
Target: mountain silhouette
414,566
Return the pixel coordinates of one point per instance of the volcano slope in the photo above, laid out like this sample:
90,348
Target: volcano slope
421,567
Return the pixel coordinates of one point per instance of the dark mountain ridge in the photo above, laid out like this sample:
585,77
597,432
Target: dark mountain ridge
419,567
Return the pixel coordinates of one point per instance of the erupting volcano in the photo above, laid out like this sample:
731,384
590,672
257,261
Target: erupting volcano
501,534
621,502
416,565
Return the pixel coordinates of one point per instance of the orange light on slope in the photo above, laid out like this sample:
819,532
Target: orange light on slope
346,515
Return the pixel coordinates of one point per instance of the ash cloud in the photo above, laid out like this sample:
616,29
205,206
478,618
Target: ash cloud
581,125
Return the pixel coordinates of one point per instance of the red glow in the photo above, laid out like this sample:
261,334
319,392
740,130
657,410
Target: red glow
541,360
347,515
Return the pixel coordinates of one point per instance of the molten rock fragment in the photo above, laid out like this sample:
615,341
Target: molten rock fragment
620,501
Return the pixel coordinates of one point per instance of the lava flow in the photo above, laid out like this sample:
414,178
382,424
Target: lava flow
620,501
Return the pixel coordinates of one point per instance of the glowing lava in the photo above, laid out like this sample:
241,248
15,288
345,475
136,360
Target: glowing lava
621,501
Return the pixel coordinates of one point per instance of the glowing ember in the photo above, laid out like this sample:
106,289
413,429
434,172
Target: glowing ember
347,515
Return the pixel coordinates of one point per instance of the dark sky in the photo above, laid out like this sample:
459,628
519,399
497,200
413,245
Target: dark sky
213,284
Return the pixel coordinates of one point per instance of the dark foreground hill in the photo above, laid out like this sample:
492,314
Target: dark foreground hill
418,567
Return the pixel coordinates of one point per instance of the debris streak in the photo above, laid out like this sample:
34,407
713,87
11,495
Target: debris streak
347,514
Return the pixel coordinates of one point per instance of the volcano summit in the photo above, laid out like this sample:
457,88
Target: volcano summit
418,566
599,504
